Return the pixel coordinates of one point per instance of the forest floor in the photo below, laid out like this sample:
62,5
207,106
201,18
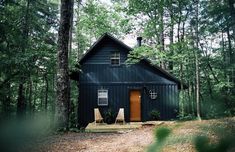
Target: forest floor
181,139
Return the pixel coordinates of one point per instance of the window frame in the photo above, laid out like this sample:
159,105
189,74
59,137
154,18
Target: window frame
99,91
153,94
114,57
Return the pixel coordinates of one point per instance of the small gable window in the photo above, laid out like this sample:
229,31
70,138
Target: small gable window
115,58
102,97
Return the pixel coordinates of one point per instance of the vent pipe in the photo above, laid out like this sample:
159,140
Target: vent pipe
139,39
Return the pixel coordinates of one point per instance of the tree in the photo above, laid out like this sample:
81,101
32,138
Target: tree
21,103
96,18
63,84
27,50
197,71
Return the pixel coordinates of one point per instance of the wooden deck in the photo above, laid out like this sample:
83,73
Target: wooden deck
118,128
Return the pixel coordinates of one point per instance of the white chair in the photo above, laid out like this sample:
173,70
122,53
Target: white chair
98,117
120,116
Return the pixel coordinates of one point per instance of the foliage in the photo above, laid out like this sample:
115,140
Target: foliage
185,117
143,52
202,144
154,115
27,44
185,43
161,135
174,34
95,19
223,130
109,116
210,136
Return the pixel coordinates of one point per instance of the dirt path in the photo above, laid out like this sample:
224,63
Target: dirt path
132,141
180,140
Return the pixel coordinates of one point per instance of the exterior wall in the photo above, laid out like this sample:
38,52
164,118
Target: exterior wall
102,56
118,97
97,73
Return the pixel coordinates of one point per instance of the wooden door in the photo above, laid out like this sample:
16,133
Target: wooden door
135,105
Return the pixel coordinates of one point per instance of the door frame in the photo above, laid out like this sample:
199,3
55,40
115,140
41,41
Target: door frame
140,90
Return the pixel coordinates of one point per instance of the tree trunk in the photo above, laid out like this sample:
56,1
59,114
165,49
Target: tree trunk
224,55
71,33
171,36
182,92
162,38
178,29
21,102
197,72
42,98
70,56
46,93
79,51
197,85
5,98
193,98
30,97
229,45
230,58
53,104
63,87
231,4
35,97
179,21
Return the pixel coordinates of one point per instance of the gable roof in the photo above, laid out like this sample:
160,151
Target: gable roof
104,36
148,62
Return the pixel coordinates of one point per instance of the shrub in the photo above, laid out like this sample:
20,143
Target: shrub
161,135
186,117
109,116
154,115
202,144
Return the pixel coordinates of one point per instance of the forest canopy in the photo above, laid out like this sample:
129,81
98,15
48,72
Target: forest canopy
193,40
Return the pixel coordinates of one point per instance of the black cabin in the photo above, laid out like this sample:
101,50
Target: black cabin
106,82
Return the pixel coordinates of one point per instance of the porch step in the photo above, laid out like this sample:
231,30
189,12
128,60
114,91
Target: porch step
117,128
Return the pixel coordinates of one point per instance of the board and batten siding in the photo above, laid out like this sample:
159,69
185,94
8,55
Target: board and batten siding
103,55
98,73
118,97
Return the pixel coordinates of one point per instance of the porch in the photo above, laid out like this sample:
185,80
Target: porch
119,127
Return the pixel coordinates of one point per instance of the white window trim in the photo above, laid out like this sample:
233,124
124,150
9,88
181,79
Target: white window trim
102,93
118,57
153,94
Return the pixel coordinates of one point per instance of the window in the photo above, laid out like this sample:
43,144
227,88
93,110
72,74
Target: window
102,97
153,94
115,58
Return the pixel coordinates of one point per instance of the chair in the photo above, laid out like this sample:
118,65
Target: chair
120,116
98,117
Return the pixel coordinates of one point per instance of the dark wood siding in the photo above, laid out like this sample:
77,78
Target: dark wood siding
97,73
103,55
118,97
